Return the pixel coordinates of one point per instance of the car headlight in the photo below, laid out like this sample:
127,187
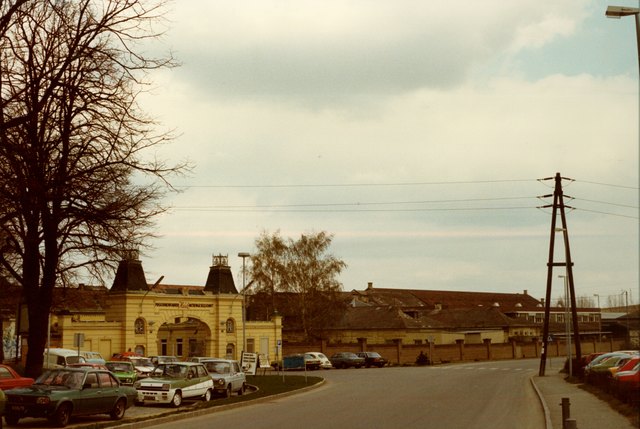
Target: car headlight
220,382
43,400
166,386
137,385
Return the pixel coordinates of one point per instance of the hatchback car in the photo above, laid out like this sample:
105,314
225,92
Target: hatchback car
125,372
170,383
60,394
346,360
227,376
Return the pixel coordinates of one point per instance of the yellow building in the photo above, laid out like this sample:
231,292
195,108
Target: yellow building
176,320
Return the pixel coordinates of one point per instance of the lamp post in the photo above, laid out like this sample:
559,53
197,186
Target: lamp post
618,12
599,319
244,255
566,320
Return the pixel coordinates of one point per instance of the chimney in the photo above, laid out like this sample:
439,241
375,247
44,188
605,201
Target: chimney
370,286
526,292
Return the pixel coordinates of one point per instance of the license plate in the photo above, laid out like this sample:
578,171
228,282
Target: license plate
149,398
17,408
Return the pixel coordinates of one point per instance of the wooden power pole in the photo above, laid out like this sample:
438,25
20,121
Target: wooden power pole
558,203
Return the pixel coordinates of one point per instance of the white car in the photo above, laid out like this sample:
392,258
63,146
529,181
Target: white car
325,363
170,383
227,376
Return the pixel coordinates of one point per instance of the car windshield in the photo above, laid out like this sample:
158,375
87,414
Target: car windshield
140,361
61,378
171,370
218,367
374,354
119,367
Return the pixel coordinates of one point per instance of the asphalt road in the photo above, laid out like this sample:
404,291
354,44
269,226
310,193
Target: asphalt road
477,395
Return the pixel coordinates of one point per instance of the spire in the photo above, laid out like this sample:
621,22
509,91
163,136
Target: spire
130,275
220,279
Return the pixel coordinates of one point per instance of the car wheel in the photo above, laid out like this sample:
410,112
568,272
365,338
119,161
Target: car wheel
207,395
117,413
12,419
62,416
177,400
242,389
227,393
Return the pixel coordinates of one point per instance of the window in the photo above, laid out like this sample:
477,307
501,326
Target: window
163,347
140,350
230,351
139,326
92,380
179,346
230,326
417,341
106,380
251,345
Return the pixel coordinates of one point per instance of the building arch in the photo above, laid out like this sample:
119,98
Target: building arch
184,337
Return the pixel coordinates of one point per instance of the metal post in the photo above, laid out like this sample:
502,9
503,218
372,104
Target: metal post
244,255
566,411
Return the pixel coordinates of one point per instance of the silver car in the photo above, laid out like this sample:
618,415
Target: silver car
227,376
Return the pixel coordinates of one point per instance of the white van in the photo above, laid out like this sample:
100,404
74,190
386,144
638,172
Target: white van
92,357
59,358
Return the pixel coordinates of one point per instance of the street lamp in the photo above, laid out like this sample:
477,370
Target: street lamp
599,319
618,12
566,320
244,255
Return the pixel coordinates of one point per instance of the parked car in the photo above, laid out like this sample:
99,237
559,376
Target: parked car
346,360
325,363
157,360
93,357
170,383
372,359
10,379
626,384
227,376
88,365
143,365
600,374
60,394
60,358
200,358
124,371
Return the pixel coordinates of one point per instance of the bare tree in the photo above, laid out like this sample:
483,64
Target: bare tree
299,277
75,187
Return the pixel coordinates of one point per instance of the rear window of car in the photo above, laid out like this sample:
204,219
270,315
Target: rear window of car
4,373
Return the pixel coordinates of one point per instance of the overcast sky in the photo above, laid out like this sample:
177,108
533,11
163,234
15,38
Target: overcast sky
413,131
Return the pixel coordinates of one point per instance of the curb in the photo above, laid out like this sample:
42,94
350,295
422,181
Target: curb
547,414
179,415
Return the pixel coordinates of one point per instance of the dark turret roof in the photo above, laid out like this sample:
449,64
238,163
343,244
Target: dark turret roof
130,276
220,278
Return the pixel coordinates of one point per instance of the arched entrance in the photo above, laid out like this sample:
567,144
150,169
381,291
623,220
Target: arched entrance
185,337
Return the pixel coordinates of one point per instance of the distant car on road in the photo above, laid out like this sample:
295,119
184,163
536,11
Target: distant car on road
227,376
372,359
170,383
346,360
10,379
59,394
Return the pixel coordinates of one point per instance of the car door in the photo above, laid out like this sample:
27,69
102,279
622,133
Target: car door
237,377
108,393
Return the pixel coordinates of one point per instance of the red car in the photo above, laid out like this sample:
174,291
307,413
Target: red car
9,378
626,384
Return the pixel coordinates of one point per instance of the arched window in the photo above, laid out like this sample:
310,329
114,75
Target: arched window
140,350
231,326
139,325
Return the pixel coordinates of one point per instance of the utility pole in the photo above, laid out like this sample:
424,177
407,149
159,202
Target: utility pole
558,203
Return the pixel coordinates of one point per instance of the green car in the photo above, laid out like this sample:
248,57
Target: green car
124,371
170,383
60,394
